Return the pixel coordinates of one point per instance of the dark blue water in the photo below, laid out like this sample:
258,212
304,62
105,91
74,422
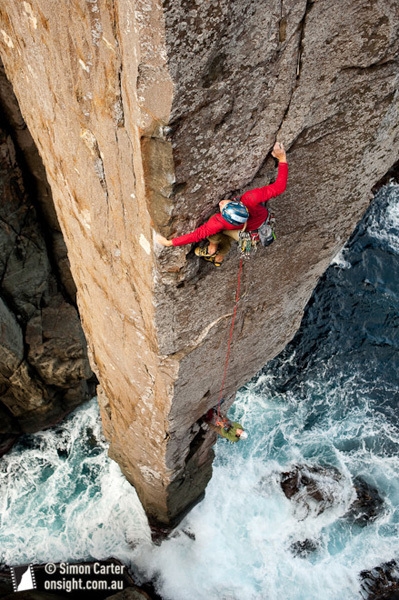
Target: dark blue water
353,318
349,337
330,399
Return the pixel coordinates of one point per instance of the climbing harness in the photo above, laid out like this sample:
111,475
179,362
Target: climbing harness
248,241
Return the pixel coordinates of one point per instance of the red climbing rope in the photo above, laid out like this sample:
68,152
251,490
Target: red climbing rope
233,318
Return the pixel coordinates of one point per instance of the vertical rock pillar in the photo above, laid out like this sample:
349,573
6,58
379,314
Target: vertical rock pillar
94,90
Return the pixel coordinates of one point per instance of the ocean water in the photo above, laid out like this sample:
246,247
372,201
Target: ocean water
330,399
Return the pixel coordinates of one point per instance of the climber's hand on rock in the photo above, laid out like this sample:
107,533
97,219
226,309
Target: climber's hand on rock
162,240
279,152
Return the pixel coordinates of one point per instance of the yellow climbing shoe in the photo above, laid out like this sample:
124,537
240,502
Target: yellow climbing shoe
203,252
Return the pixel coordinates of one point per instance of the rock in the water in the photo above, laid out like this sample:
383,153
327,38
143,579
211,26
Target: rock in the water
382,582
303,548
6,442
368,504
314,488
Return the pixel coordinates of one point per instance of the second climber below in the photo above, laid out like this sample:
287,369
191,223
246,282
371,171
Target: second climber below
248,213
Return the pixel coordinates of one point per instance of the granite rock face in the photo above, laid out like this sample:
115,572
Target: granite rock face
146,114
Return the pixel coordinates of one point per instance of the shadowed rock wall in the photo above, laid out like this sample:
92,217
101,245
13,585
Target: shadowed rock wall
148,113
44,369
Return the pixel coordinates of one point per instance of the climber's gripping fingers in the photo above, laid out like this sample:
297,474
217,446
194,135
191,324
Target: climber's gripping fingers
279,152
163,241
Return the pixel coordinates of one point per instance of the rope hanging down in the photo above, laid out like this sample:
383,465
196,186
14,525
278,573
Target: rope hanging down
233,318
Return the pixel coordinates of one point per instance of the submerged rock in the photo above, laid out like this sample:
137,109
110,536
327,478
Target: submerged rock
382,582
302,548
368,504
315,488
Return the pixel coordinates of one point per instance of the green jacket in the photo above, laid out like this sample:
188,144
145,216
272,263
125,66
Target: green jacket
231,433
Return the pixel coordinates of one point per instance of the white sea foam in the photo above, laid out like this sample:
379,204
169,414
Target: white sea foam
62,498
340,261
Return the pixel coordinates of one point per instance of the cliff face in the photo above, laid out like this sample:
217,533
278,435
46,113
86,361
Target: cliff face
148,113
44,369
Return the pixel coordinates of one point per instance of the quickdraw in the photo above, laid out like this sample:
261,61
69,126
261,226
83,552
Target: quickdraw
248,242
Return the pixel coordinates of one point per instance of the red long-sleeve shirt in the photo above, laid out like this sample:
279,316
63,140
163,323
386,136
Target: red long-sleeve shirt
252,200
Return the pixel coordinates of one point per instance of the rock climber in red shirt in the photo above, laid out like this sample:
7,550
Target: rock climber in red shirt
224,227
